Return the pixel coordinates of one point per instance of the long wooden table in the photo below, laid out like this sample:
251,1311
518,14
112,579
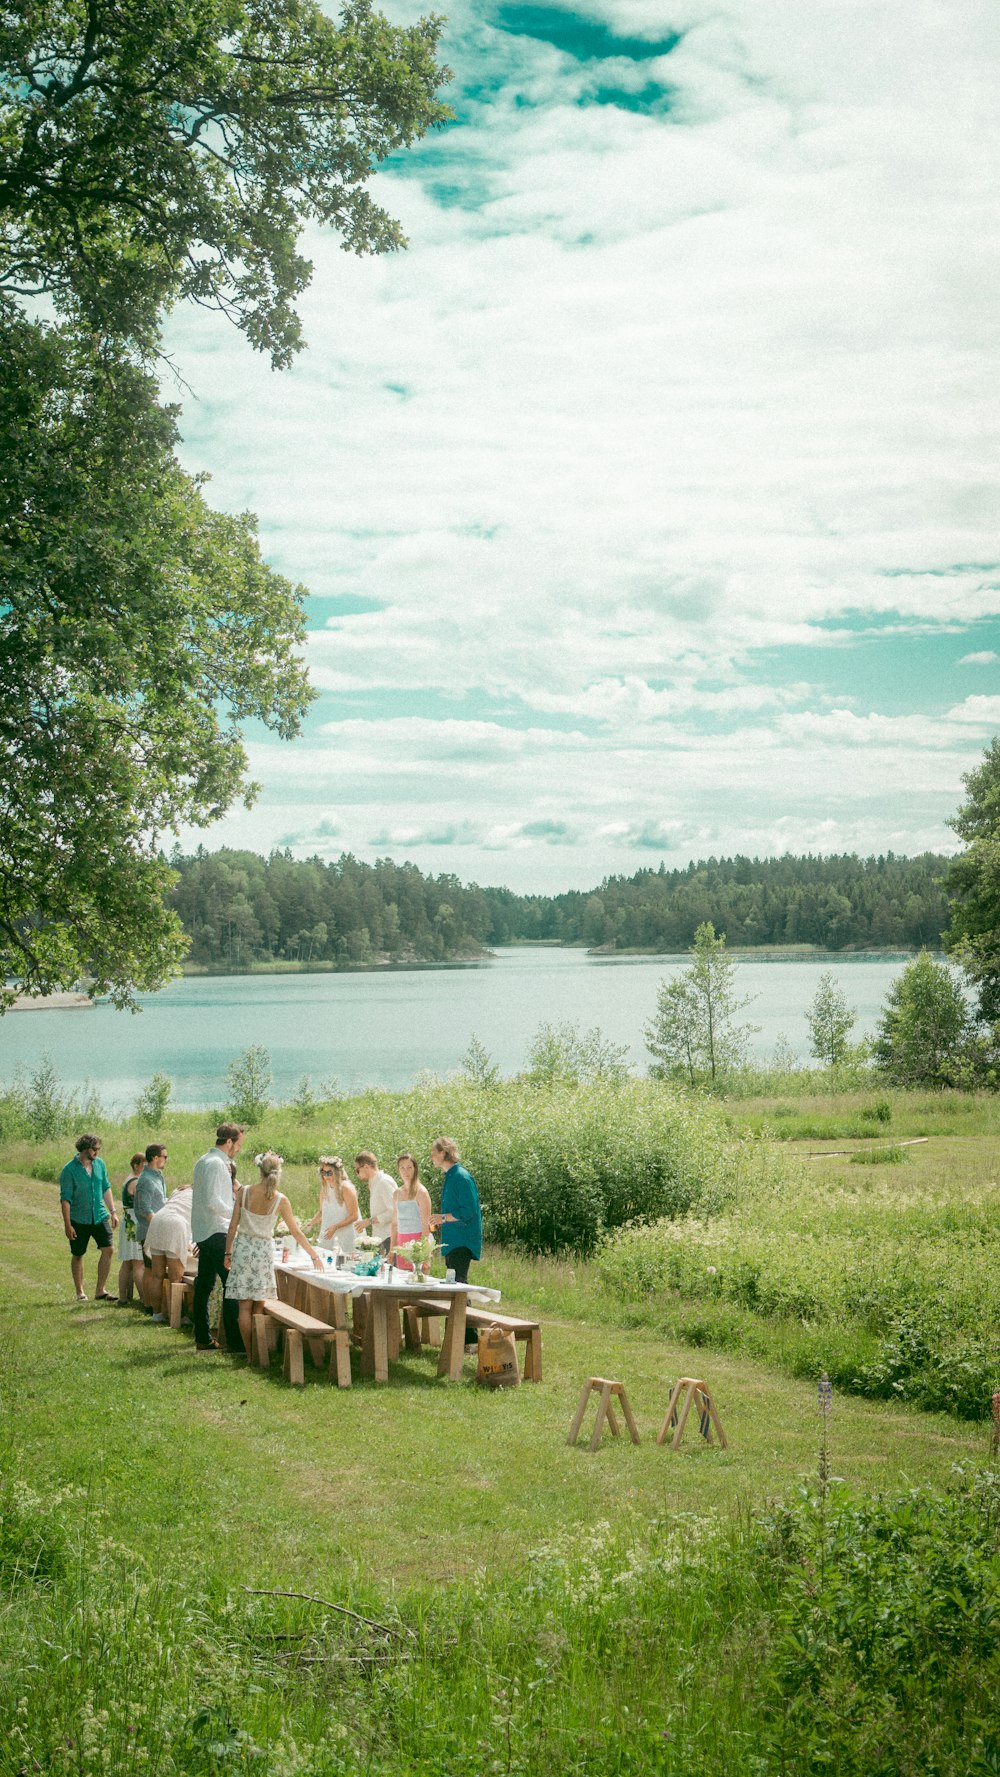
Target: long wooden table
324,1294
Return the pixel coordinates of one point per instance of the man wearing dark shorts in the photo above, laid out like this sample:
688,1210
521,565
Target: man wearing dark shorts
88,1212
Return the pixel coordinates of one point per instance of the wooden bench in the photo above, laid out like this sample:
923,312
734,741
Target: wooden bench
477,1318
299,1328
177,1297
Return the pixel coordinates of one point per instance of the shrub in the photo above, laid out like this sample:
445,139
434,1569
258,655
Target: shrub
151,1104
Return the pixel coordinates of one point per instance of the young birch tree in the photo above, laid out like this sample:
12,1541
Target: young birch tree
693,1030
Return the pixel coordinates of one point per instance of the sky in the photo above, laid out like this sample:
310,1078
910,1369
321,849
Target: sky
648,503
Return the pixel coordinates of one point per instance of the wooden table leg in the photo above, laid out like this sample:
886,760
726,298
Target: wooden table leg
453,1349
367,1335
380,1324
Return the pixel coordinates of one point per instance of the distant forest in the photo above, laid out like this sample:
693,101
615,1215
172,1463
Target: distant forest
240,909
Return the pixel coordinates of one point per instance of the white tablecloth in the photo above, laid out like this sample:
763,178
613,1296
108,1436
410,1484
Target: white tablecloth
347,1283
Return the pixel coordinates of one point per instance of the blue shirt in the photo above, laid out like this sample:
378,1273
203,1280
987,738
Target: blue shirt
150,1195
84,1191
460,1198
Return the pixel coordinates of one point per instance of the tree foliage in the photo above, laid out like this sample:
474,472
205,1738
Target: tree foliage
152,150
925,1032
836,903
830,1020
139,628
973,884
150,153
693,1029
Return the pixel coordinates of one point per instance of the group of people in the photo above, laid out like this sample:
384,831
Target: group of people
231,1226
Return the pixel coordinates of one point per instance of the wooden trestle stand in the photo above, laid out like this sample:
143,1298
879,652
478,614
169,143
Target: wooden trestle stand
605,1411
692,1389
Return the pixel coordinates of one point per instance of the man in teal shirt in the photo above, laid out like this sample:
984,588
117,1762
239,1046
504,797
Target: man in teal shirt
460,1222
88,1212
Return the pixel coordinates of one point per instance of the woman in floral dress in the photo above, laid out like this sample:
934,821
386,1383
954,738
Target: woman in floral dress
250,1243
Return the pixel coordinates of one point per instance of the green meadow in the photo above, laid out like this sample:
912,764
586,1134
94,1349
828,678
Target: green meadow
205,1570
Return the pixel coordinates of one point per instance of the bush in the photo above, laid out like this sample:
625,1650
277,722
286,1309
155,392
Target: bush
556,1166
151,1104
881,1649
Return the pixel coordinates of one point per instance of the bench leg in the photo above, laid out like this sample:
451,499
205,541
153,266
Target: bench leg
533,1356
176,1304
262,1340
340,1359
293,1366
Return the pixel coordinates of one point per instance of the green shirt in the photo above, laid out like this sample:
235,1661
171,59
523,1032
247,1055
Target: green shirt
84,1191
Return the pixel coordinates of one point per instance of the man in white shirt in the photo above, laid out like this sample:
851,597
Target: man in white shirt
381,1196
213,1193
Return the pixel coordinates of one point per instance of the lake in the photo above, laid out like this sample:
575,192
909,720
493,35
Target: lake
384,1029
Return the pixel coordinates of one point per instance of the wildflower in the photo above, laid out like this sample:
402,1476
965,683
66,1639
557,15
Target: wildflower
826,1393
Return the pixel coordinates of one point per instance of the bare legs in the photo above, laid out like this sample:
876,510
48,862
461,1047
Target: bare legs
129,1278
247,1312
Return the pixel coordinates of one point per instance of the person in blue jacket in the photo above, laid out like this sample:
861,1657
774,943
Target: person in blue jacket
460,1221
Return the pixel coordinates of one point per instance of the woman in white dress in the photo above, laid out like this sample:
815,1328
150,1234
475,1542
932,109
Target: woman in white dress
411,1209
338,1217
250,1243
131,1267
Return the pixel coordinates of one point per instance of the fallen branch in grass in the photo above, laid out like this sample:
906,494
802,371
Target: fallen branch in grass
309,1598
838,1153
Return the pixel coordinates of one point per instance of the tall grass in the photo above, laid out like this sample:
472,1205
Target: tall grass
829,1633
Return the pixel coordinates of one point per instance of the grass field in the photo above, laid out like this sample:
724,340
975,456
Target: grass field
520,1607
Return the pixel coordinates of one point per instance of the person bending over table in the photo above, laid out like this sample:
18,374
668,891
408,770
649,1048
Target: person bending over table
250,1243
338,1217
168,1243
460,1220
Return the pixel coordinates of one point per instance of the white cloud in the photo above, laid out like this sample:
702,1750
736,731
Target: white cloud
641,435
985,657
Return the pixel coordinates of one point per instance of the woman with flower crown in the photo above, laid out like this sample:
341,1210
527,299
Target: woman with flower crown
338,1217
250,1242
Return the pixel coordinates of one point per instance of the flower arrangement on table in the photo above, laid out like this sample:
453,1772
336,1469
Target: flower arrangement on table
369,1250
420,1253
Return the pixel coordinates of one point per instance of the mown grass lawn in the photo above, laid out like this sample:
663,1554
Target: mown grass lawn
421,1478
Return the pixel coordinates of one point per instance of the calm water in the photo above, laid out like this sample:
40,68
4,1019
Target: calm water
383,1029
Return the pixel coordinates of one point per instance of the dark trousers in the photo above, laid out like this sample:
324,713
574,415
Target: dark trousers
458,1259
212,1264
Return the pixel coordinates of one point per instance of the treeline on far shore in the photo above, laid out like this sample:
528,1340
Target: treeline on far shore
241,910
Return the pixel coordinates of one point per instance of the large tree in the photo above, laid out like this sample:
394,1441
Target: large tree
156,149
151,151
973,883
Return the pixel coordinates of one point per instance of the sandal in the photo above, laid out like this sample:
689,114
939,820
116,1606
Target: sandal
80,1296
105,1296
